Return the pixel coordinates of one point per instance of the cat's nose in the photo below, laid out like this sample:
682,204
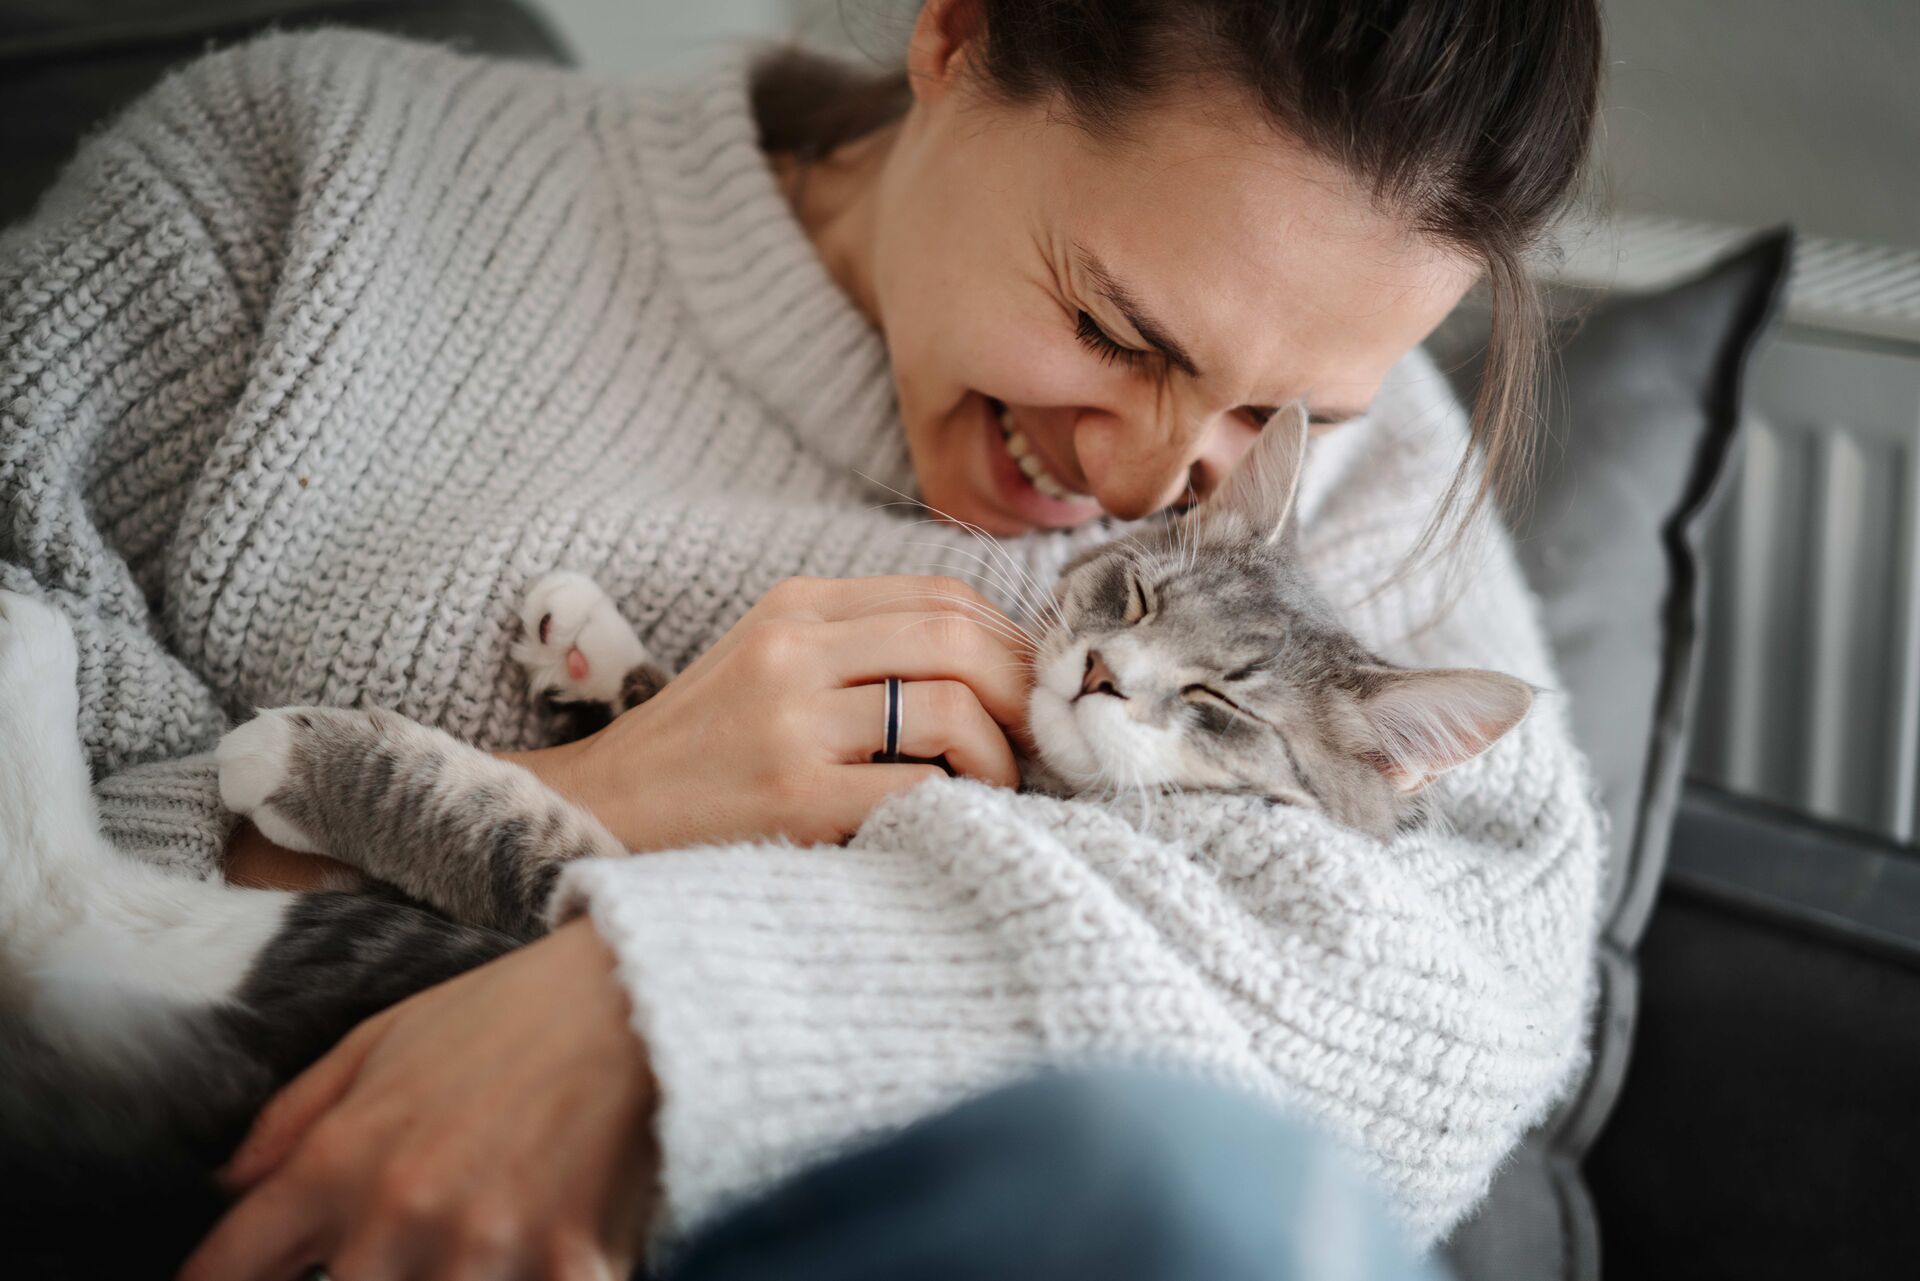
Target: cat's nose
1098,678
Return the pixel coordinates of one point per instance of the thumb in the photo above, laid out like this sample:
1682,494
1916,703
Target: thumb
290,1113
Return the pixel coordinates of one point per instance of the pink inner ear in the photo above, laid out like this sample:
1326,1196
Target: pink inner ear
1258,493
1430,721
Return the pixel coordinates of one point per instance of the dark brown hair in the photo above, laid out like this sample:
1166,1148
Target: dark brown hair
1471,119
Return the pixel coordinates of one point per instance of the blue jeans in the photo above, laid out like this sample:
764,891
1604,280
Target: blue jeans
1109,1175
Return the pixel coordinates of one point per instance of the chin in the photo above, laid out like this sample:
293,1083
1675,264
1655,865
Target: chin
1058,739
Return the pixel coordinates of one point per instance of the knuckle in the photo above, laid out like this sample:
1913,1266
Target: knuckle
486,1230
327,1156
772,647
792,786
948,702
793,593
408,1191
951,634
572,1255
954,588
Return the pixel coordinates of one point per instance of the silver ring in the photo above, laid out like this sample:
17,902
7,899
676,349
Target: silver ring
892,750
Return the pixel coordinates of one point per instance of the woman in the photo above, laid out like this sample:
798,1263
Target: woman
332,346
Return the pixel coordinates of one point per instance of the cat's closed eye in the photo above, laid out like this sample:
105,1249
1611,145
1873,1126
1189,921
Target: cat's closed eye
1197,691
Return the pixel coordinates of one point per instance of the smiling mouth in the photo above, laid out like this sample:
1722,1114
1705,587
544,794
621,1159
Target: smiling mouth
1021,450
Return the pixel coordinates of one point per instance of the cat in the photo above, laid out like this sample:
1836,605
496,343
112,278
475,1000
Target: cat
144,1017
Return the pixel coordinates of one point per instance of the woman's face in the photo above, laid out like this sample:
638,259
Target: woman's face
1121,313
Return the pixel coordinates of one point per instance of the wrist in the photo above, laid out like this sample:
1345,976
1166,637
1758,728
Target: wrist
584,952
580,772
558,767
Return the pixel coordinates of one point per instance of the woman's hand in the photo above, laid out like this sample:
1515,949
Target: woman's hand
772,731
256,863
497,1126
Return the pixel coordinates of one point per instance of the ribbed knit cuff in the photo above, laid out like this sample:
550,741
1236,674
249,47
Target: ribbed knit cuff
796,1000
169,813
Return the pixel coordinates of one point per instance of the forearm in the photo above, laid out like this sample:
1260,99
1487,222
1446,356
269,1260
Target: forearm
256,863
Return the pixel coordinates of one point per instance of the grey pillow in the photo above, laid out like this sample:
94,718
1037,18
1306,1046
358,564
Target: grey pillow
1640,425
67,65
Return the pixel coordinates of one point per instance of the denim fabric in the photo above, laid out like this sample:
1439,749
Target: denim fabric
1116,1175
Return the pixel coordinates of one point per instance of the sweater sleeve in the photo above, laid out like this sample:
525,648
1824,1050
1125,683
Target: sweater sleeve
1424,999
125,335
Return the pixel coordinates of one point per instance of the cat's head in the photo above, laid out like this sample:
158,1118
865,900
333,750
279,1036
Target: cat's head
1196,655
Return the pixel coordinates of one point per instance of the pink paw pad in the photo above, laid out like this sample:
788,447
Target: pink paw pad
576,661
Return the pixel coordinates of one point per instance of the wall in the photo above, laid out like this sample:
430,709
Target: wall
649,36
645,37
1761,111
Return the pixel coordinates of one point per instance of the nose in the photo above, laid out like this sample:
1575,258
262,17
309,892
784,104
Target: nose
1098,678
1137,468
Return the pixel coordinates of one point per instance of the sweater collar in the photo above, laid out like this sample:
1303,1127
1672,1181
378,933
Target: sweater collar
755,287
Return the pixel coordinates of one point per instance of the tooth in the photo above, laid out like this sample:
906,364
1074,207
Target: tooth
1045,484
1017,445
1031,468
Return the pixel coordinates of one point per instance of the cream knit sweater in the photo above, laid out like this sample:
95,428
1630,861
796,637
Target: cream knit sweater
328,348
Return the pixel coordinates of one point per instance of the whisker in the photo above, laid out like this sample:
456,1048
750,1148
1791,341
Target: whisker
984,614
1042,611
1019,572
989,569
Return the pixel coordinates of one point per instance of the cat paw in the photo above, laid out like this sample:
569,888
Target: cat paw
254,762
576,647
36,642
37,663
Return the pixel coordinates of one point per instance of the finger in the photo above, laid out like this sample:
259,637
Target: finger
276,1233
937,718
288,1114
382,1254
857,789
931,647
837,599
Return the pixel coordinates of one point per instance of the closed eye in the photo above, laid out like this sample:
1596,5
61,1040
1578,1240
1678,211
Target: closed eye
1197,693
1249,671
1102,344
1209,692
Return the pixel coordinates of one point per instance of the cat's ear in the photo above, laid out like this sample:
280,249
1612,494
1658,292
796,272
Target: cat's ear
1427,722
1257,495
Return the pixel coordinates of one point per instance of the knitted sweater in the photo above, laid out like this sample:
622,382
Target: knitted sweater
321,354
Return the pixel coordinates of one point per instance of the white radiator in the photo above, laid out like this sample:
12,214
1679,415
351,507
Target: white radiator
1810,691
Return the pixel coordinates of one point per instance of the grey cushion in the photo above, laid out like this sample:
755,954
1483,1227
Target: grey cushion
1640,424
66,65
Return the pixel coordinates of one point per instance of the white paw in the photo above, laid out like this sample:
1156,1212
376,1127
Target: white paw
37,664
576,645
253,761
43,774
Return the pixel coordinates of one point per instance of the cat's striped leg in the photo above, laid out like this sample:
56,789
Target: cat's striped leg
479,838
583,659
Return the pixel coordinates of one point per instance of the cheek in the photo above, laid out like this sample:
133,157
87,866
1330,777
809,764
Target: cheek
992,344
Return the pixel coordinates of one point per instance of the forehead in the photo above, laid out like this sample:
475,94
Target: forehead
1272,264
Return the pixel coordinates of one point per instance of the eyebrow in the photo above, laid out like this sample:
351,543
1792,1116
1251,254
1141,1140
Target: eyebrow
1128,305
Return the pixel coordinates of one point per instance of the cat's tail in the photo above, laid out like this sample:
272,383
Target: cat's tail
120,1069
87,933
144,1017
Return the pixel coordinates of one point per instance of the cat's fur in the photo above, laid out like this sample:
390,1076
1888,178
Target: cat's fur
143,1017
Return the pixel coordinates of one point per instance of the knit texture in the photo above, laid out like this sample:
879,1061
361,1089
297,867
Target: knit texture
316,359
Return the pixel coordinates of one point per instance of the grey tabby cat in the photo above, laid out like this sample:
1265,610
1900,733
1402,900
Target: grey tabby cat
144,1018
